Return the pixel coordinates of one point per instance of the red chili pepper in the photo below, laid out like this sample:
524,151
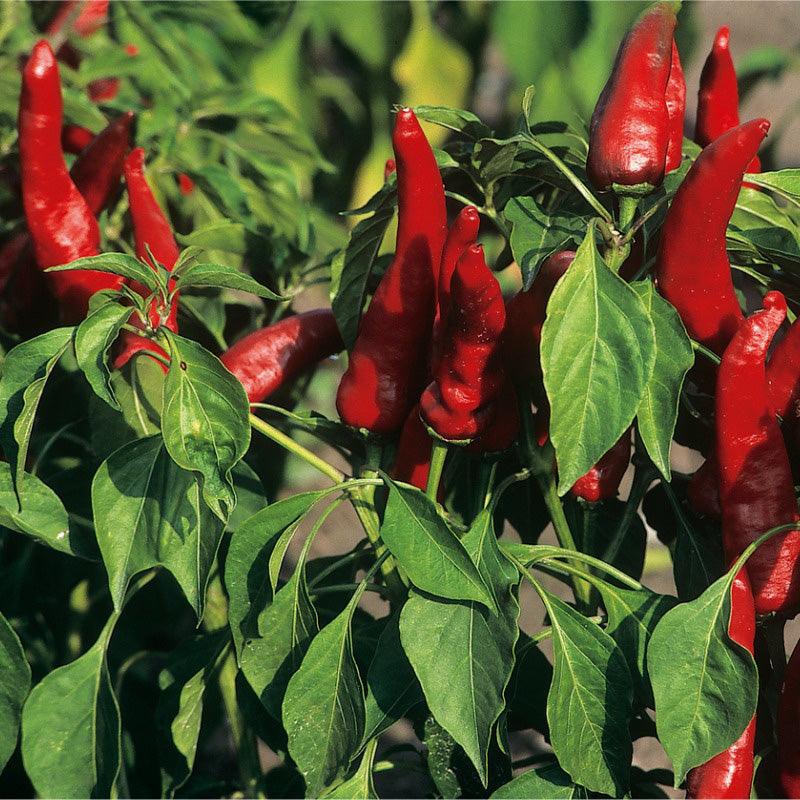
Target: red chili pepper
783,374
412,461
718,98
730,773
103,89
755,478
389,361
457,405
703,489
90,18
630,129
692,267
74,138
185,184
61,223
788,724
266,359
675,98
503,426
131,49
389,168
602,480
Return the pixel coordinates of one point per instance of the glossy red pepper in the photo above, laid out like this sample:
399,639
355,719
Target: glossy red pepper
412,462
61,223
74,138
675,98
692,267
730,773
457,405
755,478
602,481
718,98
389,361
630,129
788,725
267,358
783,375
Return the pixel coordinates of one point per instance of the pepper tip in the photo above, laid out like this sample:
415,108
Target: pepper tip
722,39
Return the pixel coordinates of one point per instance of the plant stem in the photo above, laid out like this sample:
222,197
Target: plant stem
642,478
438,456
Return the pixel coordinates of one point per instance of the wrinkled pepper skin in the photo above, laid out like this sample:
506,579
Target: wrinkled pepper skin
630,129
412,462
692,268
718,98
60,221
267,358
389,361
755,478
457,405
729,775
675,98
602,481
788,725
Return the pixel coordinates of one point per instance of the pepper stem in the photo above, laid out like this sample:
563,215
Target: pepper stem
438,456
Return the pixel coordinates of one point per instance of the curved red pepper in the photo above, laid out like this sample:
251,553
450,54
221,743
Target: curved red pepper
730,773
788,725
755,478
630,129
692,267
718,98
267,358
457,405
602,480
783,374
389,361
675,98
412,462
61,223
74,138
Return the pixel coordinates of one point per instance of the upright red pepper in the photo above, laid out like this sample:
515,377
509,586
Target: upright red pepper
630,130
61,223
783,375
266,359
755,478
675,98
718,98
730,773
692,267
468,379
389,361
788,725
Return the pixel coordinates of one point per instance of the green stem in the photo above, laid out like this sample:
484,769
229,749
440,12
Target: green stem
349,587
547,553
642,478
438,456
627,211
709,354
279,437
349,558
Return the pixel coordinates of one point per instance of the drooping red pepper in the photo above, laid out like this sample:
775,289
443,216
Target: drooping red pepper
630,129
718,98
730,773
412,462
703,489
74,138
503,426
692,267
675,98
755,478
389,361
783,375
267,358
788,724
458,403
602,480
60,221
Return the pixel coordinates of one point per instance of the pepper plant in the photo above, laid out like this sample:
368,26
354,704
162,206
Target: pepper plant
559,307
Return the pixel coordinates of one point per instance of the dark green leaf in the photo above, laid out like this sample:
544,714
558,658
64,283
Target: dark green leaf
15,683
360,786
117,264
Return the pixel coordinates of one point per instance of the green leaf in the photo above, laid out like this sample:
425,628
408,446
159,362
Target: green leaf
658,410
549,782
183,683
223,187
598,353
204,420
117,264
349,295
360,786
431,554
15,683
148,512
26,369
323,709
784,182
589,703
93,337
392,686
223,277
535,234
227,236
71,727
454,119
246,565
463,654
705,684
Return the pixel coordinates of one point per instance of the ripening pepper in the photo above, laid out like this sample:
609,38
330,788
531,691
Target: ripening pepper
457,405
718,98
389,361
788,724
267,358
755,478
729,774
692,268
60,222
631,127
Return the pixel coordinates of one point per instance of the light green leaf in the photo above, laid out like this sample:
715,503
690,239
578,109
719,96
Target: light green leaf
117,264
360,786
15,683
598,353
549,782
224,277
229,237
